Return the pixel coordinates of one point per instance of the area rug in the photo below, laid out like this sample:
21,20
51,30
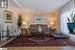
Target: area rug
27,41
39,40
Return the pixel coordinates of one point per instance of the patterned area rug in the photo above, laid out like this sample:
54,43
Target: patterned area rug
29,41
39,39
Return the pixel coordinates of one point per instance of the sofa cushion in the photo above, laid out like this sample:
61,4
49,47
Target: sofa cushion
35,28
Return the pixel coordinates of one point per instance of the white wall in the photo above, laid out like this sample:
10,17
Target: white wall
65,13
15,9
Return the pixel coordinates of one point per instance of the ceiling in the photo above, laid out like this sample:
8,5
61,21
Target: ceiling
42,5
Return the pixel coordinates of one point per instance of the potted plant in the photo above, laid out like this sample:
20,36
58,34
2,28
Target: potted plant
19,21
71,24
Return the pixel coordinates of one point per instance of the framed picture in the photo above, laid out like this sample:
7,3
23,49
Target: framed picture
38,19
8,16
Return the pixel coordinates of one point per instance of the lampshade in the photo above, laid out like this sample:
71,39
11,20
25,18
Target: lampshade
52,23
24,23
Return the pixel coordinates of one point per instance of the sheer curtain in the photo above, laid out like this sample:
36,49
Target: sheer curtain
65,12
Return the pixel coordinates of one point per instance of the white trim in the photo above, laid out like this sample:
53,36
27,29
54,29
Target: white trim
19,5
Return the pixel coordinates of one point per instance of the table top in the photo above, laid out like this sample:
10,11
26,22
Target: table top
58,35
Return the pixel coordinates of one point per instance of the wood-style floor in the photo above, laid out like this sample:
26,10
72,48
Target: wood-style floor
35,48
41,48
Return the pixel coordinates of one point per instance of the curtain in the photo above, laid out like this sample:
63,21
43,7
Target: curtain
65,12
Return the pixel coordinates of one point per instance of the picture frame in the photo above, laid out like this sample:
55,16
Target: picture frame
38,19
8,16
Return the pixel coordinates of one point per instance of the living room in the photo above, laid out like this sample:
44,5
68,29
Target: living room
38,24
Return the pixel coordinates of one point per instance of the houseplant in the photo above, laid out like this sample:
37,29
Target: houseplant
71,24
19,21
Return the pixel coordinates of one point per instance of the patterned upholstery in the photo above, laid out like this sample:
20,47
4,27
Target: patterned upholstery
34,28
